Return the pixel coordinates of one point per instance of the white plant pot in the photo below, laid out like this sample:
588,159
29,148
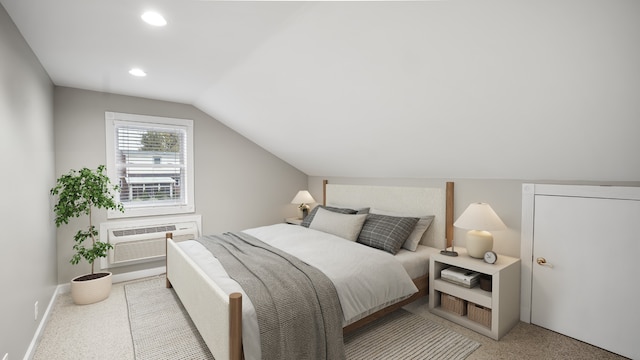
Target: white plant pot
91,291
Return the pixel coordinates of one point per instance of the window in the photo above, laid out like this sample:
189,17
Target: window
151,159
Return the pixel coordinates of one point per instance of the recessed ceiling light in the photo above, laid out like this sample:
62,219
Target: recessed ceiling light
137,72
153,18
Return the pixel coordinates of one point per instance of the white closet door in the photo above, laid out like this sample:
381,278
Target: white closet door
592,292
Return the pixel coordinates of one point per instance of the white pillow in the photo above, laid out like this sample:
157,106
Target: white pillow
346,226
421,227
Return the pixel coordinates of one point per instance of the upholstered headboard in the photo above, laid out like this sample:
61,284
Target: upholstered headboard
412,201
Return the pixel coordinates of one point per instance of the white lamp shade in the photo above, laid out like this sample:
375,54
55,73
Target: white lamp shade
479,216
303,197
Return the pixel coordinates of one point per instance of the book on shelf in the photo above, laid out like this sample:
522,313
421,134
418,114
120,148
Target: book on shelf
462,277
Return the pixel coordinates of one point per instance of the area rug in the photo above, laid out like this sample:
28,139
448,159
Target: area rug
161,329
404,335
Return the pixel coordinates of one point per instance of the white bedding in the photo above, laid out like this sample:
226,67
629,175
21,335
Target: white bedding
416,263
366,279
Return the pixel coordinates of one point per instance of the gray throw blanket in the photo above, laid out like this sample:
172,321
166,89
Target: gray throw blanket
297,306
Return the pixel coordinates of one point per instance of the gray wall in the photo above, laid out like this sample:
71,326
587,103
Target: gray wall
237,183
28,246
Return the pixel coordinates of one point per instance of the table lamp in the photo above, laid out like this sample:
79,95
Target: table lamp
479,219
303,198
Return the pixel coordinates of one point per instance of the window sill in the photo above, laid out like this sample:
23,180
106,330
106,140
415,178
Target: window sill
152,211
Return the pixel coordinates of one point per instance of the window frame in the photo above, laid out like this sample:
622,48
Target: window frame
112,119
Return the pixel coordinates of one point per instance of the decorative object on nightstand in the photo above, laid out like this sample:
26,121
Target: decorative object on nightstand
490,257
451,252
303,198
485,282
479,219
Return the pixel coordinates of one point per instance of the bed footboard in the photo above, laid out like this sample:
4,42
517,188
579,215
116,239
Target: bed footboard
217,317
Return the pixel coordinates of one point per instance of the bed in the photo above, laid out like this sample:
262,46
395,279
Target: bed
215,304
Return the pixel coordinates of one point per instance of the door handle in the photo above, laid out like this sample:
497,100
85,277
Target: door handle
543,262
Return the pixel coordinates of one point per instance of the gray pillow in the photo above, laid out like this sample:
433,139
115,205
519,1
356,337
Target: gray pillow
386,233
346,226
309,218
421,227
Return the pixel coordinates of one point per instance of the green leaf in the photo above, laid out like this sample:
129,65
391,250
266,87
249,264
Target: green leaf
79,192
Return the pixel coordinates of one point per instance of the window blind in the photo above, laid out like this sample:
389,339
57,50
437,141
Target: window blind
151,161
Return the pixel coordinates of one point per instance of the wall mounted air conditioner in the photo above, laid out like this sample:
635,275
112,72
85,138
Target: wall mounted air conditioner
142,241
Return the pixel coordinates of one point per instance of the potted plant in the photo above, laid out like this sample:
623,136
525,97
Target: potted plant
79,192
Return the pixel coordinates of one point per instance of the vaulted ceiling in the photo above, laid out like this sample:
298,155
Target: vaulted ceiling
470,89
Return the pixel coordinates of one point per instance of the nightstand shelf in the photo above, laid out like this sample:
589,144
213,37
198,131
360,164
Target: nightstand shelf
475,295
503,301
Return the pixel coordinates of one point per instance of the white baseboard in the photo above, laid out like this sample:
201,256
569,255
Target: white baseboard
65,288
118,278
43,322
134,275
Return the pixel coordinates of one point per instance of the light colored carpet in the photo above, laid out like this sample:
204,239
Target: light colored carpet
161,329
97,331
101,332
523,342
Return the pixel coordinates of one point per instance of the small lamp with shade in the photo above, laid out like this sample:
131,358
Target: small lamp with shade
303,197
479,219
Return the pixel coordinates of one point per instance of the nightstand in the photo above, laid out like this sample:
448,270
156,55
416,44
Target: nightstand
494,312
293,221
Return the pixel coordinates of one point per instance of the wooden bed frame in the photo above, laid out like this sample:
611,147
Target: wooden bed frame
218,317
